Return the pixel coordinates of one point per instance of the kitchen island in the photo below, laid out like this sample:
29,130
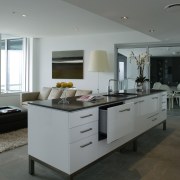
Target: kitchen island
68,137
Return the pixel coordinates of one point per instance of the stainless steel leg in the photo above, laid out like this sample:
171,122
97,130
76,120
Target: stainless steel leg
31,166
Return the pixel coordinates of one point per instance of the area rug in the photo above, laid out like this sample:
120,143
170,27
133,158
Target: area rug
13,139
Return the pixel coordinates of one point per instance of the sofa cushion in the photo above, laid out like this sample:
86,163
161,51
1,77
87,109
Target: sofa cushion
29,96
25,104
44,93
83,92
69,93
55,93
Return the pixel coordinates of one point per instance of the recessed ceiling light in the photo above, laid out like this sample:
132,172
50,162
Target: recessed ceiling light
24,15
16,13
151,30
124,18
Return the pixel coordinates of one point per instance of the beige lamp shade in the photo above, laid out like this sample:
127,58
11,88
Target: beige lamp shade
98,61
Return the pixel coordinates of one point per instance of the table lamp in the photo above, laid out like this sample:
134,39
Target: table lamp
98,62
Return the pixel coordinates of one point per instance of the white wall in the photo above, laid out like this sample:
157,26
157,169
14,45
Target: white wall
34,64
86,43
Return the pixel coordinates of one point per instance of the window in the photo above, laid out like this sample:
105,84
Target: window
14,65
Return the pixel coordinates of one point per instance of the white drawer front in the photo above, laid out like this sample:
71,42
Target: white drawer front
164,106
155,120
163,115
81,117
83,152
83,131
120,121
164,96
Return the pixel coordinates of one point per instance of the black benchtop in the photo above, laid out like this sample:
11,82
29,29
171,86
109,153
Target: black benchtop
75,105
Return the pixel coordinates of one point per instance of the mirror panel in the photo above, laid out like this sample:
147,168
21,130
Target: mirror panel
128,76
166,55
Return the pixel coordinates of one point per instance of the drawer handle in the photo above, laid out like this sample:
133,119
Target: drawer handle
155,98
164,102
139,102
164,95
154,119
86,116
152,116
125,110
86,130
82,146
163,109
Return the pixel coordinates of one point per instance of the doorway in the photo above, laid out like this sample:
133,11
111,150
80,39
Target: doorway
122,70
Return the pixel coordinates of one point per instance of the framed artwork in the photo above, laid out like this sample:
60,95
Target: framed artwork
67,64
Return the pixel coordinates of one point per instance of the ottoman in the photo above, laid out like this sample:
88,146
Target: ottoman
12,118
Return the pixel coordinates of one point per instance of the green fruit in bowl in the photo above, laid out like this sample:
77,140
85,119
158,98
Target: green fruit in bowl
58,84
70,84
63,84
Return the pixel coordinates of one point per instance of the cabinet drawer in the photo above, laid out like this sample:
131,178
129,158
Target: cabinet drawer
83,131
120,121
83,152
81,117
153,120
163,115
164,106
164,96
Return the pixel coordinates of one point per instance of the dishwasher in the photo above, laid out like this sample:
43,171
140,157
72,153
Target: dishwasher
103,119
116,121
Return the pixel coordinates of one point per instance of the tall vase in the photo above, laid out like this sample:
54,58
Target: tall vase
140,86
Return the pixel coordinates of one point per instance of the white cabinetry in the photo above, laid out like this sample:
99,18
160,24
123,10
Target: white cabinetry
163,106
64,140
83,152
141,111
120,121
83,131
149,111
154,107
69,141
153,104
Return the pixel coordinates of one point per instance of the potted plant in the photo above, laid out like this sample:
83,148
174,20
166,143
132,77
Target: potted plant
141,61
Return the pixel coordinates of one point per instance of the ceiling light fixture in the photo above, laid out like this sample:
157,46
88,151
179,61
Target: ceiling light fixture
151,30
124,18
16,13
24,15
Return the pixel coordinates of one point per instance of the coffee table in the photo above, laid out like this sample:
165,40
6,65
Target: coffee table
12,118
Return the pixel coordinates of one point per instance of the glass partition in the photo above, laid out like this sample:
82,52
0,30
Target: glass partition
163,63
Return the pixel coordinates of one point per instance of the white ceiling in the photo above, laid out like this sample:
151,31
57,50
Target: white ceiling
47,18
